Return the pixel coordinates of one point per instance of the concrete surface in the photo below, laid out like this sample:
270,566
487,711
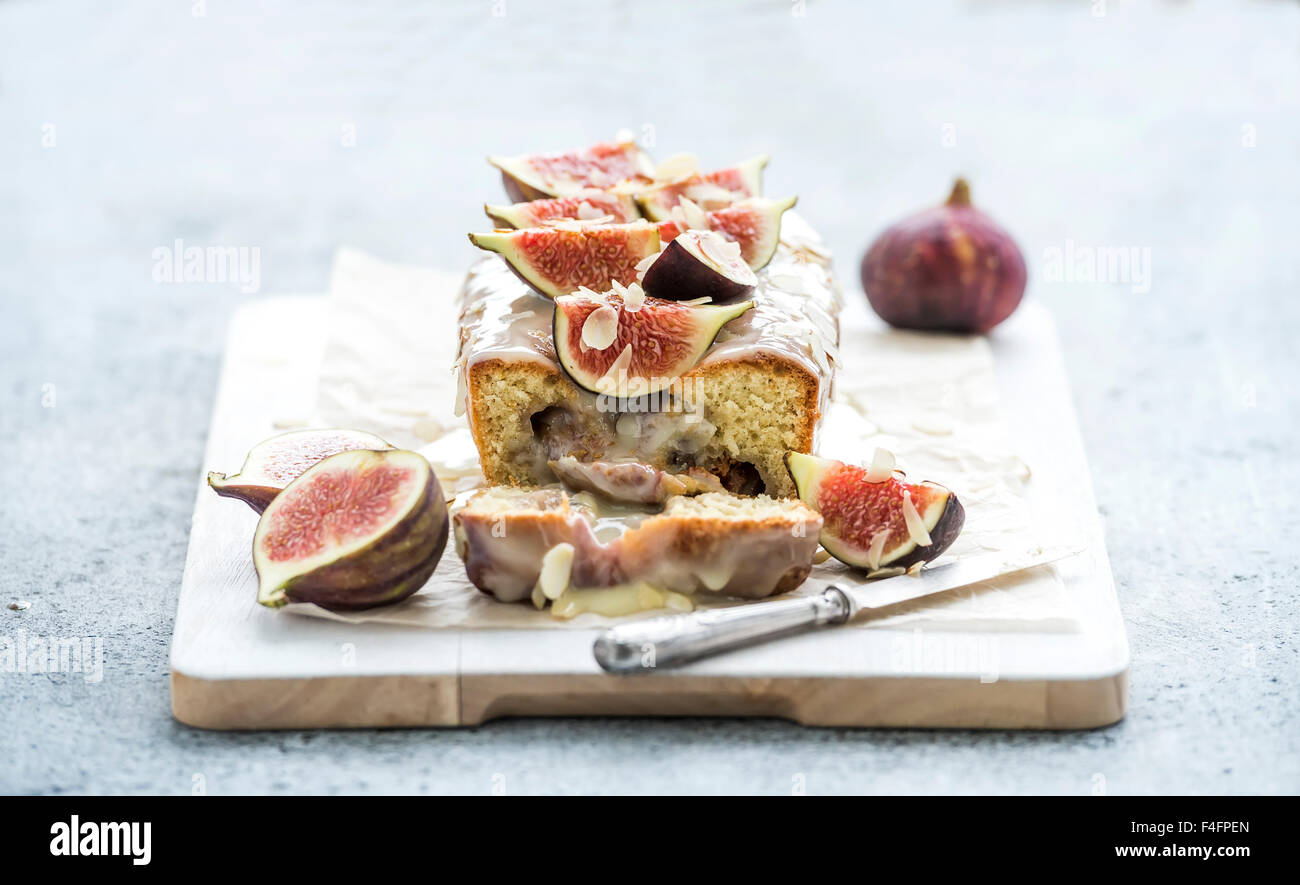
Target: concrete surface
1168,127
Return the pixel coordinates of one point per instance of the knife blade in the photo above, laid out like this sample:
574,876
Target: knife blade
949,576
671,640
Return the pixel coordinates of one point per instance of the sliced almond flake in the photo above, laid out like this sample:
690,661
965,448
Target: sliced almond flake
696,302
608,382
785,327
882,466
619,288
818,352
714,246
710,196
915,527
600,329
677,167
462,391
539,598
692,214
591,295
677,215
644,264
915,568
557,565
806,251
877,548
933,424
788,282
634,298
678,601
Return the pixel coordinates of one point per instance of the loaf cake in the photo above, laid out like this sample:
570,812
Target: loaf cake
544,543
759,391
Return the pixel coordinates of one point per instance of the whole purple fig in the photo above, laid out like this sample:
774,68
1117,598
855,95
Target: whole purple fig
950,268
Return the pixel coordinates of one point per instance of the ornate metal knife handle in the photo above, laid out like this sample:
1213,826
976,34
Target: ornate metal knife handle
670,640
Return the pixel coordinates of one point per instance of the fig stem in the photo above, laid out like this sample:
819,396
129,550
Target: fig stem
960,195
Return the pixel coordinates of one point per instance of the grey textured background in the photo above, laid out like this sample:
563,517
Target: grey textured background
1169,126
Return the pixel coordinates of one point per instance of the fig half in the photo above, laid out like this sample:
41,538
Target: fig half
601,166
584,206
876,524
558,260
358,529
755,224
274,463
608,347
709,191
699,264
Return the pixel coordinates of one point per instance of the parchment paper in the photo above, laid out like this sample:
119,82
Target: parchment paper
932,400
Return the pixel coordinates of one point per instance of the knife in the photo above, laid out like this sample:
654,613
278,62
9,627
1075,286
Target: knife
671,640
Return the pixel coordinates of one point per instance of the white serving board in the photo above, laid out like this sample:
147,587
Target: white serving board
236,664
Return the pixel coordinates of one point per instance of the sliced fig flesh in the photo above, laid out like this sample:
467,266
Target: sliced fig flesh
358,529
857,513
699,264
710,191
274,463
652,347
755,224
584,206
537,176
559,260
631,482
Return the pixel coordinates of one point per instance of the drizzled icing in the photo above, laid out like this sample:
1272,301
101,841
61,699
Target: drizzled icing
503,535
794,318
